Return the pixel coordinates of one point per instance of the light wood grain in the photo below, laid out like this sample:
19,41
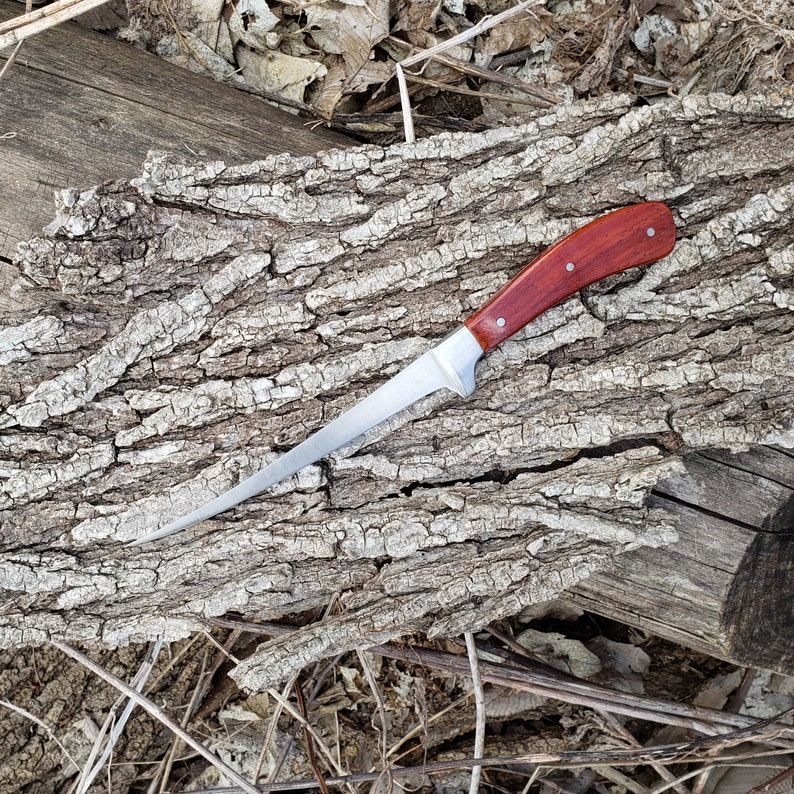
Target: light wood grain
725,587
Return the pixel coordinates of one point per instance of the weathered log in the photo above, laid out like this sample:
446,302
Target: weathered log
202,318
725,587
78,108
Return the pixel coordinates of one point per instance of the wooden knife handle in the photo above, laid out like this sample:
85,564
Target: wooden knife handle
617,241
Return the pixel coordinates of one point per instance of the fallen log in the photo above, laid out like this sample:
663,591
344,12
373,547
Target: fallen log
724,587
78,108
197,320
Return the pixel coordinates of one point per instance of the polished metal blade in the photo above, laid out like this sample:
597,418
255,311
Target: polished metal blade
450,364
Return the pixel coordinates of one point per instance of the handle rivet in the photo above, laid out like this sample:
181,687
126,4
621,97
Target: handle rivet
500,321
650,232
570,266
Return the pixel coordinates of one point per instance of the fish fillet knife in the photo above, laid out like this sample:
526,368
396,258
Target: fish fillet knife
617,241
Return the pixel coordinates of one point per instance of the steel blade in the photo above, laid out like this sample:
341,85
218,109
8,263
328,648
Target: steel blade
450,364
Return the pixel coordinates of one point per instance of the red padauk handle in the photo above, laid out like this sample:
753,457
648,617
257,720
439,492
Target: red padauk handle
617,241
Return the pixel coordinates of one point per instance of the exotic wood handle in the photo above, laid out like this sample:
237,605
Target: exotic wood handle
617,241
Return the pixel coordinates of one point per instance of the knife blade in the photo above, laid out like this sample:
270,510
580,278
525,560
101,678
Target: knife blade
616,241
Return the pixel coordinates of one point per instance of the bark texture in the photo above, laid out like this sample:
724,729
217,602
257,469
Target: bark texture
193,323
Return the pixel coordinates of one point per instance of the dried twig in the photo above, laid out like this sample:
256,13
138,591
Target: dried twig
479,707
684,753
623,782
278,708
552,684
435,53
307,737
19,28
164,773
93,767
625,735
366,667
750,759
581,693
773,783
33,718
11,58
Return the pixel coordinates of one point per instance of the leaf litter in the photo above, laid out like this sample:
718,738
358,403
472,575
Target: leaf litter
338,60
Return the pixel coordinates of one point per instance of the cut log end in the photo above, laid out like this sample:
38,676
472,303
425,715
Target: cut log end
759,608
725,588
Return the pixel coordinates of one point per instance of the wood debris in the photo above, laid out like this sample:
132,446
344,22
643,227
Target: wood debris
328,60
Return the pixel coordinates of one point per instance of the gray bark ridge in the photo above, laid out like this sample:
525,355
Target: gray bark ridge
195,322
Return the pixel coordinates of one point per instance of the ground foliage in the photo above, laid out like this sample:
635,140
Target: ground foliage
368,712
335,61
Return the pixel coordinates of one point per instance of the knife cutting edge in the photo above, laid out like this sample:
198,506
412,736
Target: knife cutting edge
616,241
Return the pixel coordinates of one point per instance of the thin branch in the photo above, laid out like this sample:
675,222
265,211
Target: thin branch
479,707
307,737
298,717
33,718
381,708
484,24
10,60
771,785
138,681
19,28
623,782
164,772
722,762
685,753
569,689
158,714
552,684
625,735
278,708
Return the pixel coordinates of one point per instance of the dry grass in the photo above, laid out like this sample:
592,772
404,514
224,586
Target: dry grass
417,716
476,66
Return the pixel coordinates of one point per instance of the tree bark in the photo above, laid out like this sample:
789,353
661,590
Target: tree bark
198,320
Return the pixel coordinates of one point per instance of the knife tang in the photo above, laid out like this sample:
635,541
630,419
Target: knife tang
622,239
